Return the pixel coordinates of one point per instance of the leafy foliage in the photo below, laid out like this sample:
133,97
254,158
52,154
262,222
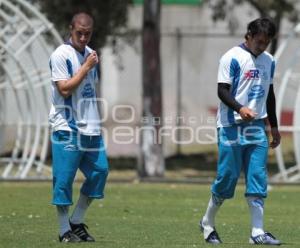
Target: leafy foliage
270,8
109,16
278,9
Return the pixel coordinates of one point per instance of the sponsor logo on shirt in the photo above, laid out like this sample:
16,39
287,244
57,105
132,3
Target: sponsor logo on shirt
252,74
256,92
88,91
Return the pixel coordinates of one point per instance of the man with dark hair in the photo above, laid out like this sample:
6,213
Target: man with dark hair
76,138
245,88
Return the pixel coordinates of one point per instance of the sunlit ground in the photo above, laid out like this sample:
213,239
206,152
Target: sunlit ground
144,215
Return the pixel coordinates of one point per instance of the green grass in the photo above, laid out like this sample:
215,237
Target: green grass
143,215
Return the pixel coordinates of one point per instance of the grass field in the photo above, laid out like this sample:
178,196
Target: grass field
144,215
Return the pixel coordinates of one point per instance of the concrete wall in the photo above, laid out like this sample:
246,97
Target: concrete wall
203,43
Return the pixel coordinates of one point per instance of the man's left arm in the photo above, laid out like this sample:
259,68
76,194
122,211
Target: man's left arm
271,110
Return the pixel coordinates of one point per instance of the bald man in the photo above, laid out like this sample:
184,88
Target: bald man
76,133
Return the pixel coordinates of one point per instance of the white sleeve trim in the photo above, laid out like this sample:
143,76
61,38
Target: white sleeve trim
59,79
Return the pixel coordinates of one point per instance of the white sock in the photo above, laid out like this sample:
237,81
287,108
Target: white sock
208,220
80,209
63,219
256,207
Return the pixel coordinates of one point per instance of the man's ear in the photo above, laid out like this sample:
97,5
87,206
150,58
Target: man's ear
248,34
70,27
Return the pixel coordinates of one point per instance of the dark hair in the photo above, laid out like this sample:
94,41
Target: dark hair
264,25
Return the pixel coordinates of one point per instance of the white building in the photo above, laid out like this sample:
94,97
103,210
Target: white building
202,44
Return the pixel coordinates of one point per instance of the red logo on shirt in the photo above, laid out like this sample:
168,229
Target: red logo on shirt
252,74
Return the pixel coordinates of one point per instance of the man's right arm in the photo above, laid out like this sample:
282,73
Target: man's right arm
225,96
66,87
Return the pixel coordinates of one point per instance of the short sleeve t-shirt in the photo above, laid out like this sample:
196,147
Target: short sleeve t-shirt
249,78
78,112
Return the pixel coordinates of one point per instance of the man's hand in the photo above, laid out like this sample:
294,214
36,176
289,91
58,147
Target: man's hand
66,87
276,137
91,60
247,114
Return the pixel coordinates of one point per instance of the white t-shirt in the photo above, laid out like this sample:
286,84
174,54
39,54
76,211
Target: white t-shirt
249,78
78,112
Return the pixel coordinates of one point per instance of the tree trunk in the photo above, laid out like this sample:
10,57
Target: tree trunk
274,43
151,160
99,86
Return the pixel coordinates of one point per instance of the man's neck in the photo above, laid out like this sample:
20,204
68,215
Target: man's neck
69,42
246,47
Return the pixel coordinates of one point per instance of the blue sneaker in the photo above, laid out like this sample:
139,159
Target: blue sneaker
213,237
264,239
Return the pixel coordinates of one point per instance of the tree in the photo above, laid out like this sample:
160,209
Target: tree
110,16
277,9
151,162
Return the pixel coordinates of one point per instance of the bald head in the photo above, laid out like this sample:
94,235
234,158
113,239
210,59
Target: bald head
83,19
81,29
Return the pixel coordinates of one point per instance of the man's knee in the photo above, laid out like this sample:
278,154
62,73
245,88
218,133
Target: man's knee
100,173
